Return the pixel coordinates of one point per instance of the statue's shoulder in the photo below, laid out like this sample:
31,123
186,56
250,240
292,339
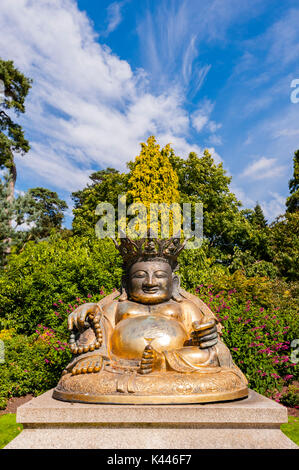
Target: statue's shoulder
197,303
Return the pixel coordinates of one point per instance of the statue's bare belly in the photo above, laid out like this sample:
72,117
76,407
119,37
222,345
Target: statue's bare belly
131,335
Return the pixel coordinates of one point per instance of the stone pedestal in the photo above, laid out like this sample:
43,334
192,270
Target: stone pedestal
250,423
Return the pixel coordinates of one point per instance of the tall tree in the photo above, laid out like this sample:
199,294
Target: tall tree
152,180
292,202
202,180
106,185
17,216
152,177
257,217
12,139
49,208
284,244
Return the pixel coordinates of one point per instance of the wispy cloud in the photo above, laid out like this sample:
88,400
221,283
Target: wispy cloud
174,32
87,108
200,120
264,168
114,16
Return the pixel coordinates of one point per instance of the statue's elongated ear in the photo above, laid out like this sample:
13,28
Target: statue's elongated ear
176,288
124,293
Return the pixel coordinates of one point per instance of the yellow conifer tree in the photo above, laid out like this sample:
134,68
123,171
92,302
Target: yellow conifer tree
153,179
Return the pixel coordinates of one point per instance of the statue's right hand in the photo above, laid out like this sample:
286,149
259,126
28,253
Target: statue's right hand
77,318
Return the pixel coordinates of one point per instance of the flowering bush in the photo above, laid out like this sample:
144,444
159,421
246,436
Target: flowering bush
46,282
33,364
259,337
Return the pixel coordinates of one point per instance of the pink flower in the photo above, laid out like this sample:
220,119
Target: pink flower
275,376
89,296
261,309
47,361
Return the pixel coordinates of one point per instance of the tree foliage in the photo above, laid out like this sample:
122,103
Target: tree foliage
152,178
49,208
106,185
12,138
293,200
16,217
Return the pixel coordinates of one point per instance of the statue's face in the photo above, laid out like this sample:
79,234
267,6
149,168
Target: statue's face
150,282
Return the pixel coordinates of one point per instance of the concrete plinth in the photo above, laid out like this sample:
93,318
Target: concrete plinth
250,423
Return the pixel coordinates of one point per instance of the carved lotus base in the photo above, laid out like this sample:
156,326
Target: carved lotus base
218,384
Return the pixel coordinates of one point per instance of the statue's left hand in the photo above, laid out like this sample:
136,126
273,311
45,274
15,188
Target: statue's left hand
205,334
78,317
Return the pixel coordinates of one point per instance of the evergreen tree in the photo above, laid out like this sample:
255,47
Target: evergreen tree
12,139
106,186
258,218
50,208
17,216
153,180
293,200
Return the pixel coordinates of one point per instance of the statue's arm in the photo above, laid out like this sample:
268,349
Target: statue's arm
76,320
202,329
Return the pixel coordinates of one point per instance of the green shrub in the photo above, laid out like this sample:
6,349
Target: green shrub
32,364
289,397
51,270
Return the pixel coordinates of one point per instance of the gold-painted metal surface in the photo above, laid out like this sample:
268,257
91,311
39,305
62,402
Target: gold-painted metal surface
151,343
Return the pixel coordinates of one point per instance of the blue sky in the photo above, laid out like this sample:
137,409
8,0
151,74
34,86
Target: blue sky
197,74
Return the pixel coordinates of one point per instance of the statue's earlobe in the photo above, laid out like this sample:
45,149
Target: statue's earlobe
124,294
176,289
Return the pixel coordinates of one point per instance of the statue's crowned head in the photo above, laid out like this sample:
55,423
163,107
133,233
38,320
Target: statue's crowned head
149,266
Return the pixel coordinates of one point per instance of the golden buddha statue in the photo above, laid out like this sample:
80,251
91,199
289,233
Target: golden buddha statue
151,342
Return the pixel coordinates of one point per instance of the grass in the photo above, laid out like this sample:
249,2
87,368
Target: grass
9,429
291,429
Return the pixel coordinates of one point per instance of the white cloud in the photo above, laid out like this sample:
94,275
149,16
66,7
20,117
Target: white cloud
114,16
273,207
242,196
215,140
263,168
201,121
200,117
87,108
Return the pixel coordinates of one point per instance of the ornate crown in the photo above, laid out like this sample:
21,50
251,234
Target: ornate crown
147,249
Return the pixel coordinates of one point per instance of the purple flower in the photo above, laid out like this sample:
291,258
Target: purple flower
288,377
